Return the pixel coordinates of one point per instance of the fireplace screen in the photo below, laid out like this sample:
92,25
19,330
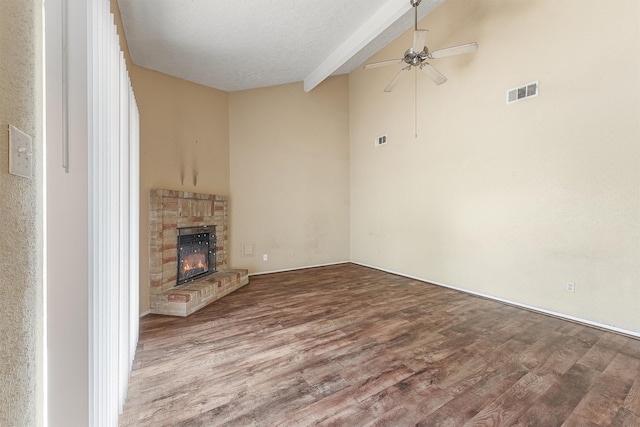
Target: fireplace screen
196,253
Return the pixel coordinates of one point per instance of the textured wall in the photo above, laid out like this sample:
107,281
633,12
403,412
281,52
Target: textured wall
21,213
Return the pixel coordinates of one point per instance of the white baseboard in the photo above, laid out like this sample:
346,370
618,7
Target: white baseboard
517,304
491,297
298,268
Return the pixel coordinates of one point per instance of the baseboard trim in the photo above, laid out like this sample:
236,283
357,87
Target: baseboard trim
144,313
574,319
298,268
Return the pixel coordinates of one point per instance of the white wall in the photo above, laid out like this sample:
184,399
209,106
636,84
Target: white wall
21,207
509,201
67,224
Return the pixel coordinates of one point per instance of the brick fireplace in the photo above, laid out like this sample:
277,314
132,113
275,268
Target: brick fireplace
168,211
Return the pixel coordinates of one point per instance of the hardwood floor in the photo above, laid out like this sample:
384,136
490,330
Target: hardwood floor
347,345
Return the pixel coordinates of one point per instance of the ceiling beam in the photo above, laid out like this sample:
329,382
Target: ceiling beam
391,12
381,20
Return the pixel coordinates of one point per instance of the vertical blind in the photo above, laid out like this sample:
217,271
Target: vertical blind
114,219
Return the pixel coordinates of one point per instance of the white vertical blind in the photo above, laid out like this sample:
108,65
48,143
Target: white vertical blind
114,214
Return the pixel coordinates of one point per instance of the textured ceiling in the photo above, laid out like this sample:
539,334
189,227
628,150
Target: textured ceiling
243,44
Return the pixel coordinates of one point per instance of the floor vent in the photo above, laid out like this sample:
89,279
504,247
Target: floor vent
522,92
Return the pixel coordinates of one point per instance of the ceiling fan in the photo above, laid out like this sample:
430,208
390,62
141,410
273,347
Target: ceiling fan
417,55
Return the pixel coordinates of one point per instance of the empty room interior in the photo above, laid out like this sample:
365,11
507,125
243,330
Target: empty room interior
390,248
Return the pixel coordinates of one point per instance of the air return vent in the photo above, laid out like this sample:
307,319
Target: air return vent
522,92
381,140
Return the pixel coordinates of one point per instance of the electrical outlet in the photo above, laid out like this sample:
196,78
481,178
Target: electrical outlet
571,287
265,257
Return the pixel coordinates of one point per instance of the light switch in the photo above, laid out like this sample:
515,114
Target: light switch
20,153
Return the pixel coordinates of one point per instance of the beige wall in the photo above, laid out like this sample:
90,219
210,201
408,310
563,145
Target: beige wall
122,37
21,210
508,201
303,196
290,175
184,141
511,201
184,145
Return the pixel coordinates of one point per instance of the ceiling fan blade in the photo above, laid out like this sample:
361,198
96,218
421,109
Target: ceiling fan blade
455,50
435,75
395,80
419,40
383,63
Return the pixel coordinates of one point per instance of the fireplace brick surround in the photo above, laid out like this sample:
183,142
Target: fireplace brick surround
168,211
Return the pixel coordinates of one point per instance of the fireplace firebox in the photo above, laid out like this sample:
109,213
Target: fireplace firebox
196,253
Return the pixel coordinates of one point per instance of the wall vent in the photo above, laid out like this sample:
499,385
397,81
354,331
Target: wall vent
522,92
381,140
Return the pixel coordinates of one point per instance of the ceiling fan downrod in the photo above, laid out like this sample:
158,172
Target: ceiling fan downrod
415,4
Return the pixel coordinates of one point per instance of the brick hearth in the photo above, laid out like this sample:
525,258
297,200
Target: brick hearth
168,211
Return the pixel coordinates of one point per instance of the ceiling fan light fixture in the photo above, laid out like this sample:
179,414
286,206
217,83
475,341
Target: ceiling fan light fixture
419,40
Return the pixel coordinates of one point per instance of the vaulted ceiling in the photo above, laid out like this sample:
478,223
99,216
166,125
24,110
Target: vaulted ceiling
244,44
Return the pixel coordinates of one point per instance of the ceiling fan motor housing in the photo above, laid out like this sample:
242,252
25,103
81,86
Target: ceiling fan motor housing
415,58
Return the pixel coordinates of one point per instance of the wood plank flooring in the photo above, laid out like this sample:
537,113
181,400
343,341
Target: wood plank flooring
347,345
